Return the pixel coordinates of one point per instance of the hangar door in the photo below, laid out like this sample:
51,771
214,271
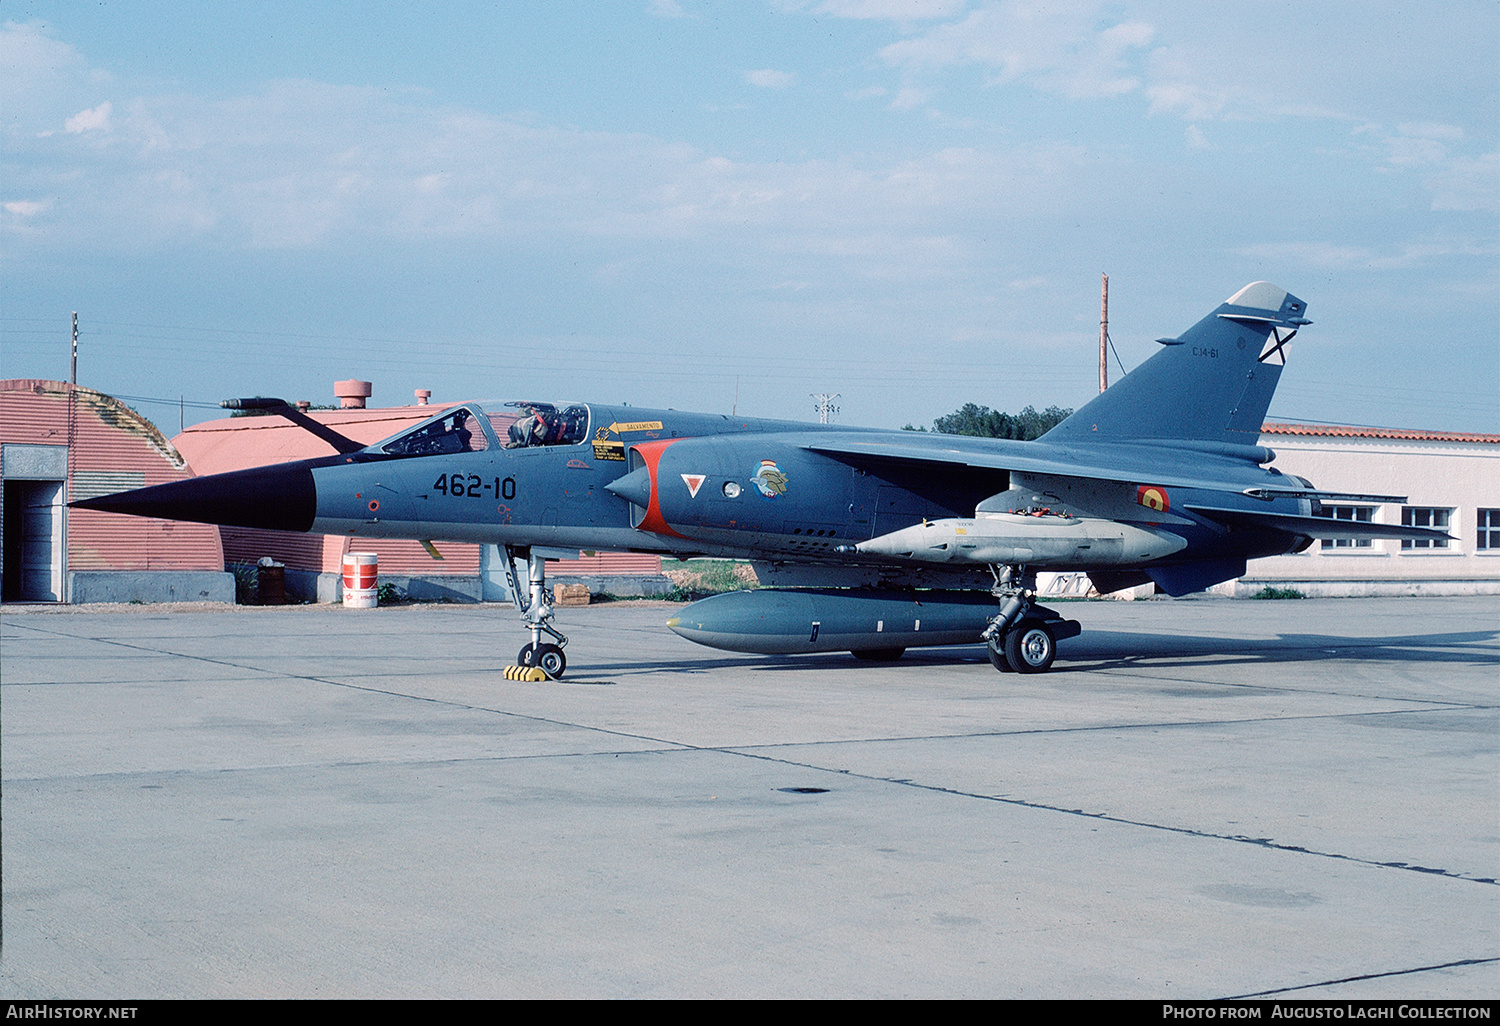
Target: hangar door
34,476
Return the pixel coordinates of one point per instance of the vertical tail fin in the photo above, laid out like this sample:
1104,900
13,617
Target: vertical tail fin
1213,383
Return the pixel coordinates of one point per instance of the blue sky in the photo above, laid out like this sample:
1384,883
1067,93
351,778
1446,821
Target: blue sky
716,206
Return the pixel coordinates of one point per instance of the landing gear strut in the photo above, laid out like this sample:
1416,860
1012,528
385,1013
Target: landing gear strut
1023,637
536,612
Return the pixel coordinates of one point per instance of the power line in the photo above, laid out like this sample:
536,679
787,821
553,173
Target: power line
194,403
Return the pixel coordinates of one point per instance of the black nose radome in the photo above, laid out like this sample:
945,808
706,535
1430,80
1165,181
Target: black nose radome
282,497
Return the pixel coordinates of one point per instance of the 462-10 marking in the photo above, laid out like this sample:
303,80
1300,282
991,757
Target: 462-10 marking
472,486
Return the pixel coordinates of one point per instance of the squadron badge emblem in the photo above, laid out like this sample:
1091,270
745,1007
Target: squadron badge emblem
769,479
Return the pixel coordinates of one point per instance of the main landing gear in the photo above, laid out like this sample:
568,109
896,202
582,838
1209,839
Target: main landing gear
536,612
1023,637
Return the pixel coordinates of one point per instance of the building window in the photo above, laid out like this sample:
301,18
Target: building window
1424,516
1357,514
1489,531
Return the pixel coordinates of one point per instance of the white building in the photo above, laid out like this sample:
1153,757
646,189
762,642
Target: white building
1451,480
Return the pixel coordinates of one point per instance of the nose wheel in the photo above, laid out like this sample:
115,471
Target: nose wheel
548,658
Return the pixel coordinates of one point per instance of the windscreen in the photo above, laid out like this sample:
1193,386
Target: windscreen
459,430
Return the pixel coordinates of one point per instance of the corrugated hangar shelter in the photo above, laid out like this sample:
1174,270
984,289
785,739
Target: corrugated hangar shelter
466,572
60,442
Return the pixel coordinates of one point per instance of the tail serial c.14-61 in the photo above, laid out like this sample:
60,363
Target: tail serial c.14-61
874,541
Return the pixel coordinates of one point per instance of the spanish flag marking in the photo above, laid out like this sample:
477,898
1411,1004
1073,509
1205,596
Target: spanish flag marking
1152,497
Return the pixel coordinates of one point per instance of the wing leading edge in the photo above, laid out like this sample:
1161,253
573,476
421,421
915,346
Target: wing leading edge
1165,465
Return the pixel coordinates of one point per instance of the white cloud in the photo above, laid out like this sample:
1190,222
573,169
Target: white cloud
25,208
1432,130
1416,145
893,10
1457,180
304,164
1468,184
42,80
1336,257
667,9
1322,255
299,165
28,54
1058,49
1190,101
1173,88
1214,61
909,97
1126,36
769,79
93,120
1337,61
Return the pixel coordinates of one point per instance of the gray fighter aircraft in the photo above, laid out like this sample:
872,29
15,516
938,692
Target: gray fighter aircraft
874,541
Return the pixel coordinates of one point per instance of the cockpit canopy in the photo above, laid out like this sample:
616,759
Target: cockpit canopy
512,425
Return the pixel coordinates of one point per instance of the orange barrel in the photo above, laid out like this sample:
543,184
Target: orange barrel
361,579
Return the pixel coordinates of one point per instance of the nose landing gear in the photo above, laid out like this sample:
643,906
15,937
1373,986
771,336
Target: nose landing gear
536,613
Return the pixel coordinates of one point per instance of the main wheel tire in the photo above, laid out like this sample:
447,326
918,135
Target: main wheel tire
997,657
877,655
1030,647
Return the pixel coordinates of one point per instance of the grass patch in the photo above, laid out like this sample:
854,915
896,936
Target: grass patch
700,578
246,582
1269,592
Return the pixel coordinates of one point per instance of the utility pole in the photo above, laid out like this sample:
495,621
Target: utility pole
73,375
1104,334
823,403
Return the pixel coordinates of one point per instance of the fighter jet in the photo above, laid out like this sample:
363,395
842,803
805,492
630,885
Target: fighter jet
872,541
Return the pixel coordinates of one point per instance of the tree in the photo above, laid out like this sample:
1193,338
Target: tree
983,422
273,413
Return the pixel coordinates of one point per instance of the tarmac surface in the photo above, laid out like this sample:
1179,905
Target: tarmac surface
1204,799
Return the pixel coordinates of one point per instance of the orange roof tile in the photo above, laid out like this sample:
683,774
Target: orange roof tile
1402,434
